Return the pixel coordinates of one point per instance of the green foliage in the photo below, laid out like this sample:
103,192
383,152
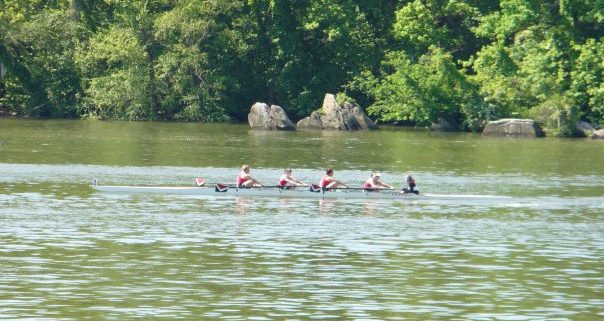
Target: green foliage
558,116
514,16
588,80
416,61
495,75
415,24
445,24
420,92
325,44
45,44
342,98
192,82
114,66
13,97
539,64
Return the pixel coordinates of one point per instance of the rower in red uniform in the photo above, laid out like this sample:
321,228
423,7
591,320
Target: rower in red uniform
287,180
327,181
245,180
374,183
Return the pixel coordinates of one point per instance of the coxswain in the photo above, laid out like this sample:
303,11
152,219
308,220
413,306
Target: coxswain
411,187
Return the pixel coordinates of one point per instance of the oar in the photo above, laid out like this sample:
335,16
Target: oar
316,188
201,182
361,189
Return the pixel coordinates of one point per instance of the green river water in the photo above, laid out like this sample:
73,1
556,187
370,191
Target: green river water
67,253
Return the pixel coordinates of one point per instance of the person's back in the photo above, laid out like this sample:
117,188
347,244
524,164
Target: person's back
411,186
368,183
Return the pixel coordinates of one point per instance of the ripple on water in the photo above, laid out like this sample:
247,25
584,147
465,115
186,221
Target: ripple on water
68,254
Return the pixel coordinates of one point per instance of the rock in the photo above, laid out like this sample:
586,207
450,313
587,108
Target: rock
598,134
347,117
584,129
262,116
361,118
334,117
311,122
513,128
445,125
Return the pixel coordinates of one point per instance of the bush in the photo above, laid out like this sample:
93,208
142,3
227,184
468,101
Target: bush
342,98
557,115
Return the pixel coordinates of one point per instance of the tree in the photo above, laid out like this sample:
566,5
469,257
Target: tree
421,82
114,64
530,68
39,53
200,68
422,91
587,86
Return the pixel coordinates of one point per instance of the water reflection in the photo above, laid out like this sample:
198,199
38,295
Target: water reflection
327,206
242,204
67,253
127,257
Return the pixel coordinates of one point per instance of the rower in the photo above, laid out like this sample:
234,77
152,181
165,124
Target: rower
288,181
245,179
329,182
374,183
411,187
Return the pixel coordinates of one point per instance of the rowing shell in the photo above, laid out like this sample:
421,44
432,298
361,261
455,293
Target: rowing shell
278,192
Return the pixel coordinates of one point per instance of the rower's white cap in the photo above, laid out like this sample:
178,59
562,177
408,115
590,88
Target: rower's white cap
378,174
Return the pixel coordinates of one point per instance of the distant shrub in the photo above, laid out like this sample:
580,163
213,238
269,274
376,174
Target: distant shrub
558,115
341,98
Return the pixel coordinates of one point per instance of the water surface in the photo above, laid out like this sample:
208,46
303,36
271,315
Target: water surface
67,253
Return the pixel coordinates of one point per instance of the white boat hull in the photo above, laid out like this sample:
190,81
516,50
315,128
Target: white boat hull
276,192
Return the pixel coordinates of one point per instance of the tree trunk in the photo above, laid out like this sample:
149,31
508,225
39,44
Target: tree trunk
147,41
197,83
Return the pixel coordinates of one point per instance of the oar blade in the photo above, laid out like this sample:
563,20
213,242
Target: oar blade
315,188
200,181
221,188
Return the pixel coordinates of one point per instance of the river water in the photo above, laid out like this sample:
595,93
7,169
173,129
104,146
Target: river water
67,253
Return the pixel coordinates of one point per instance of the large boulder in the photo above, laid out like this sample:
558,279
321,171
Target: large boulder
262,116
599,134
513,128
348,116
360,118
584,129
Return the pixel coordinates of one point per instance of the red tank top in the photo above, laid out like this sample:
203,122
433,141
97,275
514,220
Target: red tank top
368,184
324,182
282,181
241,180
